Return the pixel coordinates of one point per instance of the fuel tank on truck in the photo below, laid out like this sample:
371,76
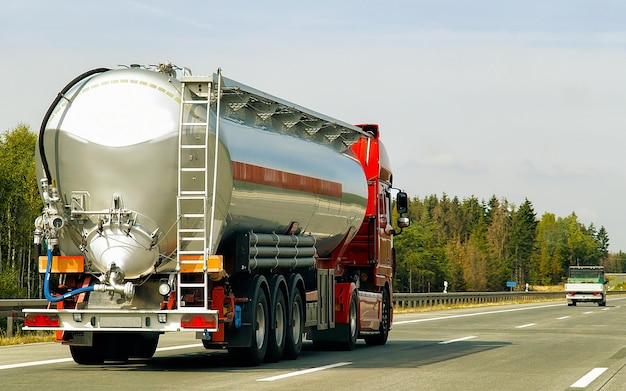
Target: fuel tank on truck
111,147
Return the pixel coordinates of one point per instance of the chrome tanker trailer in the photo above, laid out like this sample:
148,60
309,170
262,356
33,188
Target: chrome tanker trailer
193,203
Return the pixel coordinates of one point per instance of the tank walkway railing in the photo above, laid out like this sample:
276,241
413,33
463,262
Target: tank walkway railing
418,300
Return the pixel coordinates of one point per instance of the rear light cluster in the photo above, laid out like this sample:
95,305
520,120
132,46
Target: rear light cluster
197,321
42,320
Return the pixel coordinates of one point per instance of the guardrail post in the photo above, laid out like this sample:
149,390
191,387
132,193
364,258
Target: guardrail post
10,326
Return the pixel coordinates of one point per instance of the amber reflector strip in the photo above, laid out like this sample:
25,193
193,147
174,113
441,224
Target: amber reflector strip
215,264
63,264
285,180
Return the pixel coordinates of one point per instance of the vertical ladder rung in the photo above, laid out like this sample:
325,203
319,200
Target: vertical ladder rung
194,124
195,102
192,215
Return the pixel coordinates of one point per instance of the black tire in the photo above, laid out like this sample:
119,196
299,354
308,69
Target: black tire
277,334
385,323
90,355
293,341
254,354
144,345
118,346
352,331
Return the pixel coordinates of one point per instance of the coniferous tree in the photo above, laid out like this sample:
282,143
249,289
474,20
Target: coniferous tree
602,240
523,241
498,236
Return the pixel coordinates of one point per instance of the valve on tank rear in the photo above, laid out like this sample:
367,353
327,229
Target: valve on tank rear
113,280
47,225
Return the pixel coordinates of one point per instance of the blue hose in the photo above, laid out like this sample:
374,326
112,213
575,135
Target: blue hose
46,285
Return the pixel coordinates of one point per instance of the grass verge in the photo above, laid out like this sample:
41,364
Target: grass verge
441,307
24,337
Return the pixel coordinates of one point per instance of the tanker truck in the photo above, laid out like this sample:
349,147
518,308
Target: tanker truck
175,202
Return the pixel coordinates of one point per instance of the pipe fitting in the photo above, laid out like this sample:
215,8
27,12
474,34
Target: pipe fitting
115,283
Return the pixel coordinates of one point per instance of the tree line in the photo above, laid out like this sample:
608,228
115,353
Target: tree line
482,245
20,204
474,245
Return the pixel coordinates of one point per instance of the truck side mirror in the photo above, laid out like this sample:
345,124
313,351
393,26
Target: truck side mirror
403,222
402,206
402,203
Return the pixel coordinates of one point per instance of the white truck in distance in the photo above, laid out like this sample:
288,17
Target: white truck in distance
586,284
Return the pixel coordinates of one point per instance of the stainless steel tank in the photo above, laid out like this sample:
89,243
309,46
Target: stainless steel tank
112,144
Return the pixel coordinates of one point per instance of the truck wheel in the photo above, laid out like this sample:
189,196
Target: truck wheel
293,342
261,329
353,323
144,345
385,323
89,355
277,336
254,354
118,346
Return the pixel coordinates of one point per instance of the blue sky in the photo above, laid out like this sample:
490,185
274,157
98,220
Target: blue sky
506,98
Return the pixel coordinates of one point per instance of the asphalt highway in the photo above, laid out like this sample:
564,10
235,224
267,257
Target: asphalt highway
541,346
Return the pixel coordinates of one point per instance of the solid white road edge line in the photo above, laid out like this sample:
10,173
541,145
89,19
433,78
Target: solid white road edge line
305,371
34,363
457,340
60,360
195,345
588,378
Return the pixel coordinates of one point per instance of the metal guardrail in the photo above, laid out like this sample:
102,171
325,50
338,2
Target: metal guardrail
417,300
11,309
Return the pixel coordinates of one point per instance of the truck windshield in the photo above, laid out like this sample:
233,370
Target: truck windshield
586,275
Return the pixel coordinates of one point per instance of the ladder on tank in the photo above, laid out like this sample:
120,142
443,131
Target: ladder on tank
193,189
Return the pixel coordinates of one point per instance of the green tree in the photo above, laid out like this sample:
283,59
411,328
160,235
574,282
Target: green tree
10,285
616,263
497,237
602,240
419,254
523,241
581,246
477,245
19,205
548,262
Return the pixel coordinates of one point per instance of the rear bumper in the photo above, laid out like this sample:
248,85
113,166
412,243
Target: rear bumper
584,296
192,319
